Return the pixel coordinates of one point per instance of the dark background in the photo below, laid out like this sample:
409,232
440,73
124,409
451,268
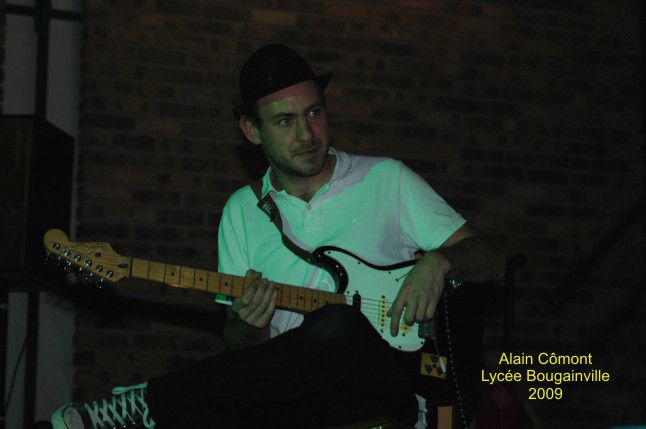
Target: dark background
525,115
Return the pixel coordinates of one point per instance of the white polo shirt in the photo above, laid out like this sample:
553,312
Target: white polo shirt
376,208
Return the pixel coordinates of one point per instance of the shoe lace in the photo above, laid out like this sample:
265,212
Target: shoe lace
125,407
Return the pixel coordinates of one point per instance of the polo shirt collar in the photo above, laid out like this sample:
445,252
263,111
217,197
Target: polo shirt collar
341,169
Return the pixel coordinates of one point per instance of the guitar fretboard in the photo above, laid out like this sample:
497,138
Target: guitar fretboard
294,298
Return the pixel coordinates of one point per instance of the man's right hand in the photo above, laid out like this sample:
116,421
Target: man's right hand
257,304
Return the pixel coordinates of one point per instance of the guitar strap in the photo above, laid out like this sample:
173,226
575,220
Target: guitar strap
269,207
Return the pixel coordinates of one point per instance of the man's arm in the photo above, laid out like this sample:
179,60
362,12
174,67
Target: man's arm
471,257
463,256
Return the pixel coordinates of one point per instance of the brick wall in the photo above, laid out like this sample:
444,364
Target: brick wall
526,117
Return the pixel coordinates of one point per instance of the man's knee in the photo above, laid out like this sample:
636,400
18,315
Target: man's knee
337,323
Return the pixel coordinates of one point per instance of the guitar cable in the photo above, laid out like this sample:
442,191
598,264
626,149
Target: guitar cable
458,391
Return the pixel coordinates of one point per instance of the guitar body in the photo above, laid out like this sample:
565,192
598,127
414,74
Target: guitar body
372,289
455,334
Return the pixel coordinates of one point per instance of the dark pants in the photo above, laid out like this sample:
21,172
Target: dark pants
333,369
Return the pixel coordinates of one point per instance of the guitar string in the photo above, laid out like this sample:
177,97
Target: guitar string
370,306
189,269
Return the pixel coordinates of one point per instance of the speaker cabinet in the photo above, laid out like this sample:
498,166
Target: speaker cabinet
35,180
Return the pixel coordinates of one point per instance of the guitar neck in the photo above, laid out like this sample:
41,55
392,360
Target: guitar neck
294,298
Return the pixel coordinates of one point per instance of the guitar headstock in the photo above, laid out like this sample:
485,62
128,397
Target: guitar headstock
95,259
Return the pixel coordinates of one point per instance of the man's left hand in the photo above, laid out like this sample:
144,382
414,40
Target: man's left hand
420,292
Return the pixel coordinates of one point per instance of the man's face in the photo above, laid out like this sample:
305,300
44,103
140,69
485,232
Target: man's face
294,131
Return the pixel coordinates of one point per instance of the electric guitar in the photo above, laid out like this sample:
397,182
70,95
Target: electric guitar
370,288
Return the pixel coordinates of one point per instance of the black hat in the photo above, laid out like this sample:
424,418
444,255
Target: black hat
272,68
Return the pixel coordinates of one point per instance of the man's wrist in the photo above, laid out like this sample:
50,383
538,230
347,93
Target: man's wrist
438,260
234,317
238,334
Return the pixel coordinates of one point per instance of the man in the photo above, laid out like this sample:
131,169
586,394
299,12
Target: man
332,366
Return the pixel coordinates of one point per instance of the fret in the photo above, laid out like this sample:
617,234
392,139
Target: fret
207,286
137,267
156,271
284,295
225,284
312,294
221,283
316,297
186,276
280,288
286,292
294,294
212,282
295,299
237,286
171,276
202,279
303,300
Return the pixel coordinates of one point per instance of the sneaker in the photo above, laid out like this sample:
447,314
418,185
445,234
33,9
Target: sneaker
126,408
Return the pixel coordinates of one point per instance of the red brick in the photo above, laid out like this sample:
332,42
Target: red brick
274,17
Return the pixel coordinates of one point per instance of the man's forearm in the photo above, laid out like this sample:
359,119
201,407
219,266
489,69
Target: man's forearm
475,259
238,334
